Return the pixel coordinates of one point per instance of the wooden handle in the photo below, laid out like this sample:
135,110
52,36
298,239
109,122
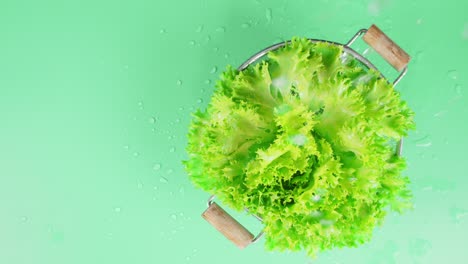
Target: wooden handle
227,225
388,49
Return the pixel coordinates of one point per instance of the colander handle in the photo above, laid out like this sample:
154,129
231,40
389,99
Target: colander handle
228,226
388,49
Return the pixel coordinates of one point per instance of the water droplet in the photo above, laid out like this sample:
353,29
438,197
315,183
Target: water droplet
177,121
221,29
181,108
152,120
174,216
182,190
187,258
458,89
465,32
419,21
162,31
172,149
199,101
136,154
163,180
345,58
452,74
269,14
440,113
245,25
366,51
373,8
24,219
199,29
424,145
215,49
169,171
126,147
458,215
192,42
419,55
226,55
155,188
117,209
214,69
140,185
140,104
208,81
179,82
157,166
208,38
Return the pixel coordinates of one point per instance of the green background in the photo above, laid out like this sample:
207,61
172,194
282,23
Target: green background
95,101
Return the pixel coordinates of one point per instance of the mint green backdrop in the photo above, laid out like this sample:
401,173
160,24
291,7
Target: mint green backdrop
95,100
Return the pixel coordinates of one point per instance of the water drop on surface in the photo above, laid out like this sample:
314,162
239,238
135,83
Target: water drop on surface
269,14
199,29
208,81
374,8
179,82
458,89
215,49
199,101
419,21
221,29
136,154
162,31
452,74
214,69
24,219
245,25
177,121
163,180
174,216
126,147
226,55
440,113
140,185
152,120
424,145
192,42
465,32
208,38
172,149
169,171
458,215
117,209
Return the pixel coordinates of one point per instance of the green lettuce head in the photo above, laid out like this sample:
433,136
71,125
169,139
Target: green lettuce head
305,140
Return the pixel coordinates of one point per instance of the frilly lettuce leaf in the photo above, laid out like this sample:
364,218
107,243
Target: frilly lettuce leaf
306,140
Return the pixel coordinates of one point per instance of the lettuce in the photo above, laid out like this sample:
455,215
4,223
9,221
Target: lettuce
306,140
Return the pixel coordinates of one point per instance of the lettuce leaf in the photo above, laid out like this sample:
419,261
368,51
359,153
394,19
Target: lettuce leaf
306,140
